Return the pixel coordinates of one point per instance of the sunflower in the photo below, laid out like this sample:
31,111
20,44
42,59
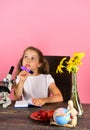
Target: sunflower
72,65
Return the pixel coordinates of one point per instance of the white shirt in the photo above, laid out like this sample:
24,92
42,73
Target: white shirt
37,86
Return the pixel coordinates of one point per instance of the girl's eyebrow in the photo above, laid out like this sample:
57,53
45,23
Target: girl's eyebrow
34,56
31,55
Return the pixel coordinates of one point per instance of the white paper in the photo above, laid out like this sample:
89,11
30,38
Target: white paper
23,103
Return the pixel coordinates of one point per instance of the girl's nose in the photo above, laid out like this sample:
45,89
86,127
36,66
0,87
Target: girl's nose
28,59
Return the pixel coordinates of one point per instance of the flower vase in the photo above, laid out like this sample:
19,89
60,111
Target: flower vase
74,95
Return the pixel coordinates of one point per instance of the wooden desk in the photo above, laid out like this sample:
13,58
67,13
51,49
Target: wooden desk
19,119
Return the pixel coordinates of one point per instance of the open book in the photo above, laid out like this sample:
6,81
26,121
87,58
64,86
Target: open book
25,103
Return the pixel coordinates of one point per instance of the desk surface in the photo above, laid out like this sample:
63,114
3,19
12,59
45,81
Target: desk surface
19,119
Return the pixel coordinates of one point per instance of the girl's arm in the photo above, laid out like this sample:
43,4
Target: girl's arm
55,96
18,89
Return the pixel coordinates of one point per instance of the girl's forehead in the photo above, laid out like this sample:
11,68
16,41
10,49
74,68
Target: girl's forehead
31,52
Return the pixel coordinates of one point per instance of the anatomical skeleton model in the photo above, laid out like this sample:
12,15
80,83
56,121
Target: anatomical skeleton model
73,113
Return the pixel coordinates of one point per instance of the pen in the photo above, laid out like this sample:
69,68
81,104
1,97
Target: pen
26,69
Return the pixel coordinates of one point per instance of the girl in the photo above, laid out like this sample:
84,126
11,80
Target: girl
39,84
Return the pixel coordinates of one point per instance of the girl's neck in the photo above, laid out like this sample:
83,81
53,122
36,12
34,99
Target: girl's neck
35,73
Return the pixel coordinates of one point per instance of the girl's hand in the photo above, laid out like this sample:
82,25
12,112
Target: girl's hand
38,101
23,75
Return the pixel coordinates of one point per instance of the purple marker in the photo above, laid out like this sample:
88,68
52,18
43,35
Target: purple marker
26,69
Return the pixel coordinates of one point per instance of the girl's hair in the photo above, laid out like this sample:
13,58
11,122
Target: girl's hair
44,68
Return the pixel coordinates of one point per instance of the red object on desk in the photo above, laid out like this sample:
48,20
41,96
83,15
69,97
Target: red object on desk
42,115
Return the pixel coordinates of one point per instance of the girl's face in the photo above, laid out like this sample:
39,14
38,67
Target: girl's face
31,60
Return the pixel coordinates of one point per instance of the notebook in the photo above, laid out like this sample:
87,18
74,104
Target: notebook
25,103
21,104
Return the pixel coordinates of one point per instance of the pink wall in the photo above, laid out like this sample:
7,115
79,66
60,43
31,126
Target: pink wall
57,27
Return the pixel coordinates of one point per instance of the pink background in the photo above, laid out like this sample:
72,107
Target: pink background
57,27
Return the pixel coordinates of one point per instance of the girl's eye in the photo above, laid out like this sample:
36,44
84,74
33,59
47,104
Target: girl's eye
29,58
33,58
25,56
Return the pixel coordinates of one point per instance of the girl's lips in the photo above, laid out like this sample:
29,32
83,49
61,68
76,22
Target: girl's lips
27,66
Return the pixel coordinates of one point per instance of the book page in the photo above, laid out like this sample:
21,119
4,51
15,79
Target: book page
23,103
